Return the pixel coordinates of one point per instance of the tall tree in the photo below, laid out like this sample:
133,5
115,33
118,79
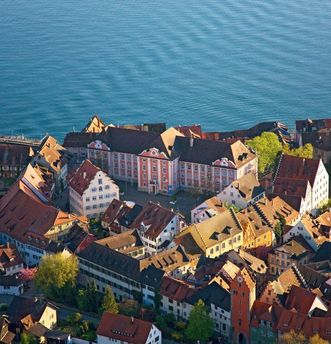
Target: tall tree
93,297
27,338
200,325
56,272
109,303
268,148
305,151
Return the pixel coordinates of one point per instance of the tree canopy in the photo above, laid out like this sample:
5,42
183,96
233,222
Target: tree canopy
109,303
305,151
200,325
292,337
267,147
55,273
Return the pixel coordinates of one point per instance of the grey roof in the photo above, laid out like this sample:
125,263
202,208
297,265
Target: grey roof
152,276
10,281
323,252
213,294
111,260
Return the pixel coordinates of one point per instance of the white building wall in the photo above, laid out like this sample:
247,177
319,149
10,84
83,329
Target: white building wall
300,229
320,189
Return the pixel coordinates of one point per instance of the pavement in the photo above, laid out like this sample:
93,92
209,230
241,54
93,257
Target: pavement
185,200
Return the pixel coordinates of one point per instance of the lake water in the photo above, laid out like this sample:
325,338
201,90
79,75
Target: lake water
222,63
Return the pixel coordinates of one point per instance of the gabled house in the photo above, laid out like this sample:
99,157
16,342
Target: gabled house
310,230
157,226
77,239
257,230
174,297
303,183
31,224
175,261
151,279
128,242
91,190
218,302
24,312
242,192
13,159
207,209
52,156
11,261
11,285
121,329
215,236
119,216
296,250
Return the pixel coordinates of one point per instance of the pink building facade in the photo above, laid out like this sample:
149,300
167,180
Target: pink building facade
164,164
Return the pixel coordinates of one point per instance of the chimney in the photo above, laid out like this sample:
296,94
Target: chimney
84,175
191,141
131,320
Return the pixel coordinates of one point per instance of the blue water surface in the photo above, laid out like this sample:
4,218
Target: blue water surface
225,64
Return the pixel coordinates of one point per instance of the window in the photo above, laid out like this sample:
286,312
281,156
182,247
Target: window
100,188
100,181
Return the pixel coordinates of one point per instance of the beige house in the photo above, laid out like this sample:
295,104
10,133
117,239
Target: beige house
214,236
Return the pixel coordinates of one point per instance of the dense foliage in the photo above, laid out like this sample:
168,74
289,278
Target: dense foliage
200,325
268,149
57,275
305,151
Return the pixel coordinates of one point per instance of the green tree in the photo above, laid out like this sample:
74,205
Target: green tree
200,325
56,273
316,339
27,338
109,303
74,319
81,299
268,148
93,298
305,151
292,337
279,227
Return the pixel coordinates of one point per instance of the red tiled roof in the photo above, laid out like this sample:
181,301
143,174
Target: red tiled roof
115,210
175,289
24,217
300,299
260,311
286,320
124,328
83,176
14,155
296,168
155,218
9,256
